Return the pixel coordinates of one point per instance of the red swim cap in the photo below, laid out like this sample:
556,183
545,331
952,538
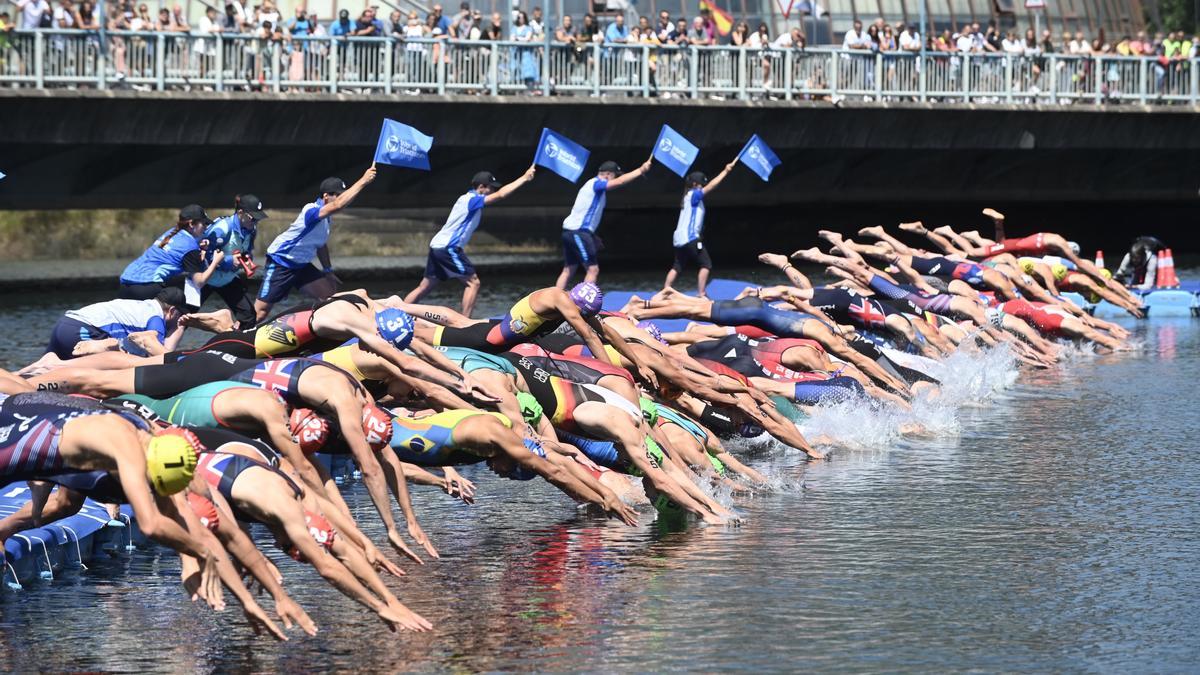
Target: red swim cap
205,510
309,429
377,427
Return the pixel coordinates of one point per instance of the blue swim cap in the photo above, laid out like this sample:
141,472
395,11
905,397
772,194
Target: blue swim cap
749,430
519,471
652,329
395,326
587,297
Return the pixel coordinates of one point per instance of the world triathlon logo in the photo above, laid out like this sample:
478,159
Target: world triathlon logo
666,145
393,143
551,149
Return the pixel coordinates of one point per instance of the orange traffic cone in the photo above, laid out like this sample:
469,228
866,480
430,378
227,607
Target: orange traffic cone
1160,270
1171,279
1099,258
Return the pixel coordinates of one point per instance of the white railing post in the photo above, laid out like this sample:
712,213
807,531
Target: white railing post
789,75
1143,88
39,59
879,75
694,71
966,78
743,74
276,75
1098,76
102,62
333,65
834,62
1053,70
494,68
595,69
922,86
645,71
441,70
389,65
1194,80
160,61
219,63
546,64
1008,77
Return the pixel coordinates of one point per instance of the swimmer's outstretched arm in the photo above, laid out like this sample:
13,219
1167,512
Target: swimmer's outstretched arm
442,316
11,384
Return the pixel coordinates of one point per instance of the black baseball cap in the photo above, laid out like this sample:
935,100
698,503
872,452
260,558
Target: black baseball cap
172,296
252,205
486,178
333,185
697,177
194,212
610,166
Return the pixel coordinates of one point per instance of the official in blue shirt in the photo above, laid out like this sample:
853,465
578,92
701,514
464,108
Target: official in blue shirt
579,239
118,319
234,234
290,256
447,260
689,246
173,257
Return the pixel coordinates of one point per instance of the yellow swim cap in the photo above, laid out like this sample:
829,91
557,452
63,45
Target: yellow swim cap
1105,273
1060,271
171,460
1026,265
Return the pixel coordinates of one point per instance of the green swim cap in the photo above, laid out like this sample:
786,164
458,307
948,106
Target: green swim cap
531,410
717,465
649,410
666,507
655,452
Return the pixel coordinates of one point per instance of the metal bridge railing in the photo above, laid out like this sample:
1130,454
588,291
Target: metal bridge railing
173,61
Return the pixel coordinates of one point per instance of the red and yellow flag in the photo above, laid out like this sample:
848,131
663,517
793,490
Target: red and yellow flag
720,17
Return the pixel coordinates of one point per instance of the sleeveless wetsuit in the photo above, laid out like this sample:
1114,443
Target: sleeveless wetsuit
559,397
221,470
731,351
754,312
31,427
429,441
521,324
471,360
769,355
582,369
849,307
193,407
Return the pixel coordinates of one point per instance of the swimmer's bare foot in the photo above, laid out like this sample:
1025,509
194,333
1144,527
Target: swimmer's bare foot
774,260
810,254
95,347
666,293
218,321
916,227
875,231
944,230
830,236
634,305
993,214
49,361
147,340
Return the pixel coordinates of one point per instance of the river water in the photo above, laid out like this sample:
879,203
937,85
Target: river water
1049,522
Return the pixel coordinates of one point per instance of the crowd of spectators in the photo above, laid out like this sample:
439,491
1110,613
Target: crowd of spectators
419,43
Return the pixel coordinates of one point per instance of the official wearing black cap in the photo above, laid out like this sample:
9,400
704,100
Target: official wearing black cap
689,247
290,257
234,235
172,258
446,259
579,239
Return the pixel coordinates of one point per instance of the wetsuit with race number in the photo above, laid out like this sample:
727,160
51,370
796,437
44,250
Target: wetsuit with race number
559,397
31,427
945,268
429,440
289,333
520,324
846,306
581,369
1034,244
191,408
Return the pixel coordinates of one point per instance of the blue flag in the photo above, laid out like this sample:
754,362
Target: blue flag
561,155
759,157
402,145
674,151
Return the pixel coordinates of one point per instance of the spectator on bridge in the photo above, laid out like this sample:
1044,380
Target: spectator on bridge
343,27
438,22
665,28
494,30
205,46
463,22
740,34
447,260
231,22
856,39
590,30
366,26
538,23
299,25
617,32
35,14
527,60
268,13
290,256
699,34
910,39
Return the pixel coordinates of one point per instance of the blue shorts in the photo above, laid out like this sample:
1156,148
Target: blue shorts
69,332
278,280
448,263
579,248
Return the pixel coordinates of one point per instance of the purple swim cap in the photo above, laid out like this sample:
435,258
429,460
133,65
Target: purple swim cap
653,330
587,297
